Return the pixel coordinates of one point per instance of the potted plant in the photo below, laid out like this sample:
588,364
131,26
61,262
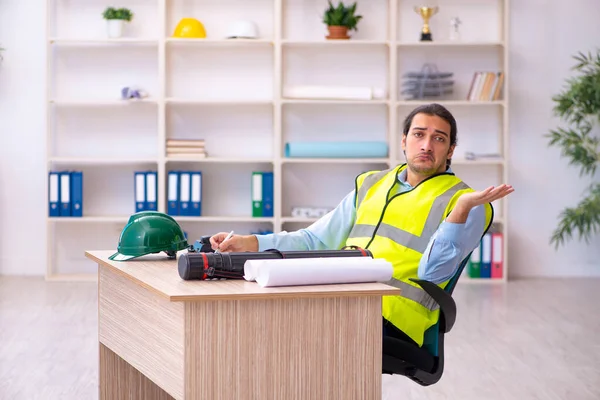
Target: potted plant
578,104
115,19
340,20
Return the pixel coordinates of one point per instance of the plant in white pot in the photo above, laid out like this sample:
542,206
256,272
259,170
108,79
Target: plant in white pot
115,20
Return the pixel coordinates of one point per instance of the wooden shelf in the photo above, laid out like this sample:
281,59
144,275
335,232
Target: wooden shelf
101,161
231,93
450,44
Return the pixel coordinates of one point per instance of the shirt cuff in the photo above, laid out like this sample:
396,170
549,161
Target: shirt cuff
265,242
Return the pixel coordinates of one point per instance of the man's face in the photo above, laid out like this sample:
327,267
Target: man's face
427,144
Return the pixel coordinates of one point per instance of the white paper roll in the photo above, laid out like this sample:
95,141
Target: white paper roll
317,271
334,92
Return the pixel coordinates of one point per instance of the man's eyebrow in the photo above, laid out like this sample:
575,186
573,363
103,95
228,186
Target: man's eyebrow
417,128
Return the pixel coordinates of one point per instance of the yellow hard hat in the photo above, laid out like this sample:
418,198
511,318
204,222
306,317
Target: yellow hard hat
189,28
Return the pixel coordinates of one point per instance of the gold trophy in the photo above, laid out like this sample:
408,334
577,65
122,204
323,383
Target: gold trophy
426,13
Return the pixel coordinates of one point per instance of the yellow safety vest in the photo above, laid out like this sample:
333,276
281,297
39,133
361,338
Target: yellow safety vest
398,228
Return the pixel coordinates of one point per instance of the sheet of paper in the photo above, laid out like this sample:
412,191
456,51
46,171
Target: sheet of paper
317,271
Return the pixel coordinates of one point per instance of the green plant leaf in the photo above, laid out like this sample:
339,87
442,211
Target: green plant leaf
582,221
578,105
341,15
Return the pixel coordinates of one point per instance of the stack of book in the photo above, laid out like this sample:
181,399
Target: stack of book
186,148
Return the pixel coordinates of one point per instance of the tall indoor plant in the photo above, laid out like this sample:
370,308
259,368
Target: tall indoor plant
578,105
340,20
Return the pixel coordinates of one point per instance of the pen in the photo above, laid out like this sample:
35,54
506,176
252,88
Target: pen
226,239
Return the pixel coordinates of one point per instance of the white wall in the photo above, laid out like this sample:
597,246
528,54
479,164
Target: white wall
541,44
22,128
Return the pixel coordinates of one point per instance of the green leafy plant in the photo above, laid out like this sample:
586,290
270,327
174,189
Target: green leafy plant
117,13
578,104
342,16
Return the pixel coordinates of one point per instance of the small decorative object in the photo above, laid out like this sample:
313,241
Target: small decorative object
426,13
454,32
130,92
310,212
428,82
189,28
471,156
115,19
242,29
340,20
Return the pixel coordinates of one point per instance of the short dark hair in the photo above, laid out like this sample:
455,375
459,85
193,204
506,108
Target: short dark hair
437,110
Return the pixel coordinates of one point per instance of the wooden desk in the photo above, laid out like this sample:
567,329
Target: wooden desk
162,337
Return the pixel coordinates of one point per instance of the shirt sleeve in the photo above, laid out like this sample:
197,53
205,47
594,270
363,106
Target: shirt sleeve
329,232
449,245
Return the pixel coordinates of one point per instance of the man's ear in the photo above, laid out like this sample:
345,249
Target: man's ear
451,151
403,142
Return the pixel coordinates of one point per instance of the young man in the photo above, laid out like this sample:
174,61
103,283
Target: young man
418,215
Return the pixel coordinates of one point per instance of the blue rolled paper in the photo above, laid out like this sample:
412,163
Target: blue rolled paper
336,149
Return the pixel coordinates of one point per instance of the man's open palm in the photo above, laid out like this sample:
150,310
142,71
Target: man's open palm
488,195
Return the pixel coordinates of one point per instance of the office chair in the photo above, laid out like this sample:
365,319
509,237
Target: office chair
425,364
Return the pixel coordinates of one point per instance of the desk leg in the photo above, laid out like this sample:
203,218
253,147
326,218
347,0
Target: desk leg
119,380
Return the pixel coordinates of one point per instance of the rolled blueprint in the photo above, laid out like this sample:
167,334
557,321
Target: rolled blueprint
334,92
317,271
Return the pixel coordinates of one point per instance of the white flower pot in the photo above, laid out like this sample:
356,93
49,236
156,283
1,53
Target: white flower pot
115,28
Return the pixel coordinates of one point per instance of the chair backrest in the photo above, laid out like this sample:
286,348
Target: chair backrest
430,339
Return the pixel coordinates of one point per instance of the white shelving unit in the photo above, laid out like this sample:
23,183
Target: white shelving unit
230,93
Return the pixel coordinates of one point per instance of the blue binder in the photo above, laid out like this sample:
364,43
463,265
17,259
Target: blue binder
140,191
151,191
173,193
53,194
486,256
196,194
77,194
267,194
65,194
185,185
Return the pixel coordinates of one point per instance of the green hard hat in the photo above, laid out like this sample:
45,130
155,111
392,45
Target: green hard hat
149,232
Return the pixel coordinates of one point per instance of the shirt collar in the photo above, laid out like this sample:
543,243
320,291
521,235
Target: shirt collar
402,177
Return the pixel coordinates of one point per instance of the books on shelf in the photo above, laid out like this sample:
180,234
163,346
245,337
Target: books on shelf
65,193
486,86
184,193
186,148
487,259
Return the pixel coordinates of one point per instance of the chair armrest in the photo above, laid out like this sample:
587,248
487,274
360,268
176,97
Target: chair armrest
444,300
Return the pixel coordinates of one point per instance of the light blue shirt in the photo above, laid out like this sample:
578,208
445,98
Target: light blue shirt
448,246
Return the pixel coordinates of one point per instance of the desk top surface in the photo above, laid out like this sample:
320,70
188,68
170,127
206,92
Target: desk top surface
160,275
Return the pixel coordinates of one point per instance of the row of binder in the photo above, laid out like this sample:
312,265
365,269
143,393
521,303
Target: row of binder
184,193
262,194
146,190
487,259
65,193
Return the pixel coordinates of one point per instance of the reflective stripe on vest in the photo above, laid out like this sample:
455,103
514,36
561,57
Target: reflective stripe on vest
402,237
414,293
367,184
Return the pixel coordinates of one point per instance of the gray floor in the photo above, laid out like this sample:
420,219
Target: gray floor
528,340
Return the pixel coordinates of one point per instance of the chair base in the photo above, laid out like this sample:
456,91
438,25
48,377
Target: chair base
394,366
